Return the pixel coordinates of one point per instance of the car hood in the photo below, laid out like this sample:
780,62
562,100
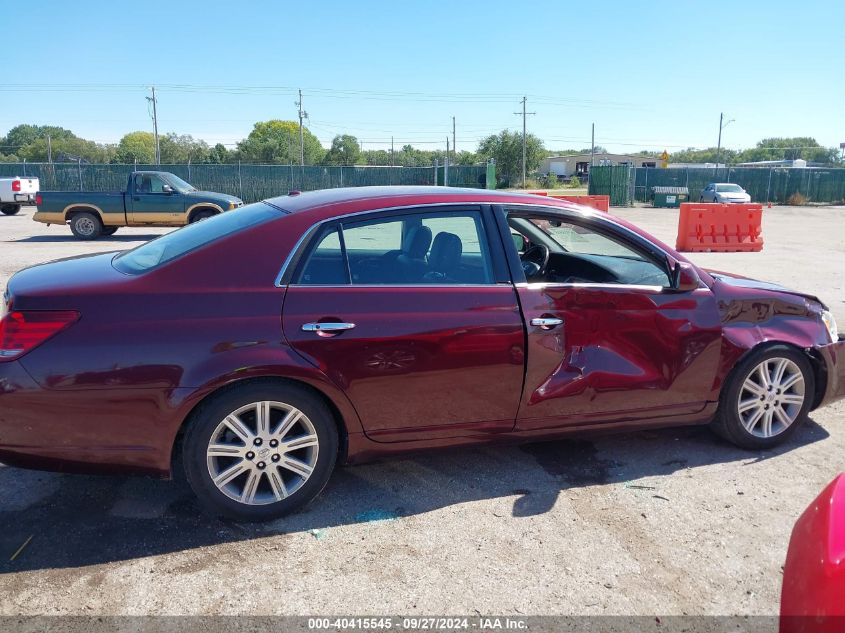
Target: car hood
738,281
212,196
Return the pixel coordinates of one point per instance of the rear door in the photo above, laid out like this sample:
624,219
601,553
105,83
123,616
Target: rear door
150,203
413,314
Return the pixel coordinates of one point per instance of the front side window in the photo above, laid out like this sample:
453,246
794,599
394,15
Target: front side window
558,251
409,249
149,183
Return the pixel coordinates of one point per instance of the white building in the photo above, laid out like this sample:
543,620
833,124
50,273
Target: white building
569,165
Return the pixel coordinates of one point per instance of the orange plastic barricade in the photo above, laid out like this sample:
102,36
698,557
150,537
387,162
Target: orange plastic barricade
704,227
600,203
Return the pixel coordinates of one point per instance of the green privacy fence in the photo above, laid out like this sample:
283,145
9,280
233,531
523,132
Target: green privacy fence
615,181
820,185
763,185
248,182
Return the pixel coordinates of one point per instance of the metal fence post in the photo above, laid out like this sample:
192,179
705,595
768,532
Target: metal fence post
79,170
240,182
769,186
435,172
189,169
24,168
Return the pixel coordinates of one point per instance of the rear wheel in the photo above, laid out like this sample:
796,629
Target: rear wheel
10,209
86,226
767,398
260,451
110,230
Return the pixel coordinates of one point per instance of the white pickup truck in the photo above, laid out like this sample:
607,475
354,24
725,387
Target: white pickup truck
16,192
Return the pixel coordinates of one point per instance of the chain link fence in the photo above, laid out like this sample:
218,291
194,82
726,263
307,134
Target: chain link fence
249,182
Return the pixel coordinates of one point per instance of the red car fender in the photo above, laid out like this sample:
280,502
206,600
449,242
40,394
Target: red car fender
813,594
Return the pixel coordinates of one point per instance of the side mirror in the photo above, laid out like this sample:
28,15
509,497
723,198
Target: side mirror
519,242
684,277
166,189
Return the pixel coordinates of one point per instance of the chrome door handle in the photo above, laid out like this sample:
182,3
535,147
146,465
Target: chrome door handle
327,327
547,322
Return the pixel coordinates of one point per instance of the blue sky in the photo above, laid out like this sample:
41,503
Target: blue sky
650,75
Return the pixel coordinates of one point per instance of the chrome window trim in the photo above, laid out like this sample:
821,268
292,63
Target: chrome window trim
316,226
494,285
540,285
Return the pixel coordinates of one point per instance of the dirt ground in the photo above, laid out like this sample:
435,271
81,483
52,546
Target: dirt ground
668,522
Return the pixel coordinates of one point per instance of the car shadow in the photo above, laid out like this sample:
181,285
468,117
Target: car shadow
79,520
100,240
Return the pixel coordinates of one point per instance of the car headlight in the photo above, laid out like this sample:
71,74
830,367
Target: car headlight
830,322
233,205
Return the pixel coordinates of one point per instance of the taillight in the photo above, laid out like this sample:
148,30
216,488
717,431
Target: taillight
16,185
24,330
37,199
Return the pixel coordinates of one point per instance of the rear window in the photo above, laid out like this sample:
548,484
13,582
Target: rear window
168,247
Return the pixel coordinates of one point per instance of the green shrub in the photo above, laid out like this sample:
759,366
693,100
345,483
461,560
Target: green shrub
552,181
574,182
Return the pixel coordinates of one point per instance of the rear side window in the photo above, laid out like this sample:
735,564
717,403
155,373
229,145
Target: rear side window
168,247
443,248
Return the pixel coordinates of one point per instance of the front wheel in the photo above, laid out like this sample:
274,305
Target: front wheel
10,209
766,399
86,226
110,230
199,216
259,451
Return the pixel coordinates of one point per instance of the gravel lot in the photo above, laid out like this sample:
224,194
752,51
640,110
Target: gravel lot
669,522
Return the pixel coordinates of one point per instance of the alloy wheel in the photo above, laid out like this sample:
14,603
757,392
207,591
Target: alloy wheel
771,397
262,452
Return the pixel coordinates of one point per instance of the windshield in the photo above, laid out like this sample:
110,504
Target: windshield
178,184
729,188
191,237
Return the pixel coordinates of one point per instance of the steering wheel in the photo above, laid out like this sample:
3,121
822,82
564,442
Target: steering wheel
535,260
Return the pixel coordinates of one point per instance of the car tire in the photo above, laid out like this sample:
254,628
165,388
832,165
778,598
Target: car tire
110,230
766,398
10,209
199,216
247,472
86,226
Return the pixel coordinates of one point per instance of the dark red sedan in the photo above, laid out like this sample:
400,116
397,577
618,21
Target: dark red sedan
266,344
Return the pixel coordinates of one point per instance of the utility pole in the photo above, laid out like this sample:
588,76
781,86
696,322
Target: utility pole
524,117
722,126
391,150
49,149
719,144
155,123
302,115
454,144
593,146
446,165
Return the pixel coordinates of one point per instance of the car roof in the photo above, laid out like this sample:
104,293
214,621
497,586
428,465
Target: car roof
389,195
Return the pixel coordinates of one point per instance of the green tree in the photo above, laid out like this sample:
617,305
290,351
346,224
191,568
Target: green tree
137,146
277,142
179,149
345,150
506,149
219,154
778,148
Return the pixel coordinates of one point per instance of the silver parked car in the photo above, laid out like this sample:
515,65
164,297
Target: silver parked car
724,192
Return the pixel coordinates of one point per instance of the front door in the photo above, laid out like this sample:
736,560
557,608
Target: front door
615,342
150,203
412,317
